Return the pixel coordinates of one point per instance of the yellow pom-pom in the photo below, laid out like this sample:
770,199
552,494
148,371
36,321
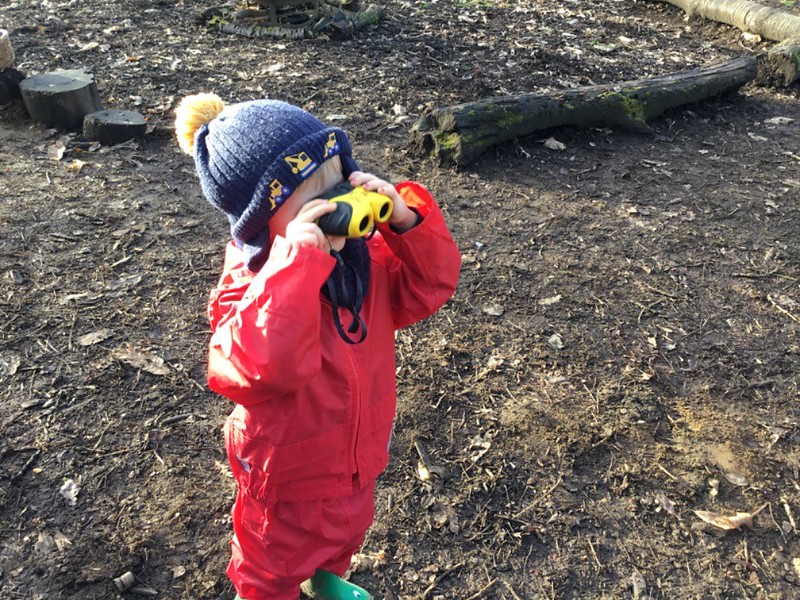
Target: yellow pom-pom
192,113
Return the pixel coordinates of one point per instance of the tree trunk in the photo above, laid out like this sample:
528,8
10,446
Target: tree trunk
61,98
781,65
462,132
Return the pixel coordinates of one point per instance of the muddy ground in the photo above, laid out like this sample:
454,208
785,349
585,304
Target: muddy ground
622,350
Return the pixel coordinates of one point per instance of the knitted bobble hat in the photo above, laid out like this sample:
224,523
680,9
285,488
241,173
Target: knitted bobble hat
252,156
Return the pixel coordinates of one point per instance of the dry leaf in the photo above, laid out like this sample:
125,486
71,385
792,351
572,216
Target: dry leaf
75,166
495,310
551,300
55,151
69,490
638,583
554,144
422,471
95,337
779,121
736,479
178,572
146,361
664,503
367,562
724,522
556,342
713,484
61,540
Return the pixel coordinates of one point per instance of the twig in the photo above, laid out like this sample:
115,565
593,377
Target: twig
789,513
671,476
772,301
175,419
594,554
536,502
756,275
483,590
511,590
26,466
438,580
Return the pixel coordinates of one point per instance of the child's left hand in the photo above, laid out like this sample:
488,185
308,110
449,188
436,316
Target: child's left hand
402,218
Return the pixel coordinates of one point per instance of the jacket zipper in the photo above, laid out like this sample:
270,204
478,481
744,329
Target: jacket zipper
357,425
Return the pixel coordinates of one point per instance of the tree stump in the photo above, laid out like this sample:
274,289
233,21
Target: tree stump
462,132
61,98
9,85
111,127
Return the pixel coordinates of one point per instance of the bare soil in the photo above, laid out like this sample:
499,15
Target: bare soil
622,350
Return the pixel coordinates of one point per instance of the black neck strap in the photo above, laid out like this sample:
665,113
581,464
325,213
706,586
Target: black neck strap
349,304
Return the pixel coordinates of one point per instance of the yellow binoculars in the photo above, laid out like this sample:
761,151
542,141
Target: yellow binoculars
357,210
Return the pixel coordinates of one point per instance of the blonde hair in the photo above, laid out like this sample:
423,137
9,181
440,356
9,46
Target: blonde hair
327,175
192,113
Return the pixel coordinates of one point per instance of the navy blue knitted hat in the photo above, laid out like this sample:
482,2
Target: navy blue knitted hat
252,156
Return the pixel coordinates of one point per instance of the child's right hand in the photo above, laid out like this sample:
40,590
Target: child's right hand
303,229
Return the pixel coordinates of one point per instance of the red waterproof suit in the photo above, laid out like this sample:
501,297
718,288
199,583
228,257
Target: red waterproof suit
314,414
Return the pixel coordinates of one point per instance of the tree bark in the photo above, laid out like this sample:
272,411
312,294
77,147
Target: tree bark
462,132
111,127
61,98
781,65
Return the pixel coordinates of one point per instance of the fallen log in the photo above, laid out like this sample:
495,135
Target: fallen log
462,132
781,64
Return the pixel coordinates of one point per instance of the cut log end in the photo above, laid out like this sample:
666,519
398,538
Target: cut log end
61,98
780,66
111,127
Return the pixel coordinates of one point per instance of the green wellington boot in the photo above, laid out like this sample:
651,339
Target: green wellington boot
327,586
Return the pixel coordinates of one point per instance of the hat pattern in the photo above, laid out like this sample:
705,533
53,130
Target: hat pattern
253,156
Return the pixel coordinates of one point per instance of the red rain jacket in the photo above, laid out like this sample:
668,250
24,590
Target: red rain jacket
312,411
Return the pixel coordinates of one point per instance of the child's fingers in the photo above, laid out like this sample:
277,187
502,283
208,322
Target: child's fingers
311,211
306,233
365,180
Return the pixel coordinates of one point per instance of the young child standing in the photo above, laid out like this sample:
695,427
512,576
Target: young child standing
303,336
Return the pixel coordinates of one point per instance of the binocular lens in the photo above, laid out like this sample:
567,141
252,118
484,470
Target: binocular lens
383,212
365,224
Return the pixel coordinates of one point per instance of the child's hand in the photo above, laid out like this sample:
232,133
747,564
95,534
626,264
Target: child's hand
402,218
303,229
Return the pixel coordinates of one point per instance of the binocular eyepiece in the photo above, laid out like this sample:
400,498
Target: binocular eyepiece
357,210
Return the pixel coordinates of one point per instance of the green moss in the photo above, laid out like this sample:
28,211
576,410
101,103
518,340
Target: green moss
447,142
509,118
633,108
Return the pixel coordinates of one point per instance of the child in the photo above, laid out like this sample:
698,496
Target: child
303,337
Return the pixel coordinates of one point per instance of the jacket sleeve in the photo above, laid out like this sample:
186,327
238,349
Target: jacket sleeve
266,326
422,263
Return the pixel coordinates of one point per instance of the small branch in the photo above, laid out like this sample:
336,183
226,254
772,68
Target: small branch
438,580
481,593
793,317
536,502
26,466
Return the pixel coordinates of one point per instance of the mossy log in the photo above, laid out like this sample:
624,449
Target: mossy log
462,132
778,66
61,98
